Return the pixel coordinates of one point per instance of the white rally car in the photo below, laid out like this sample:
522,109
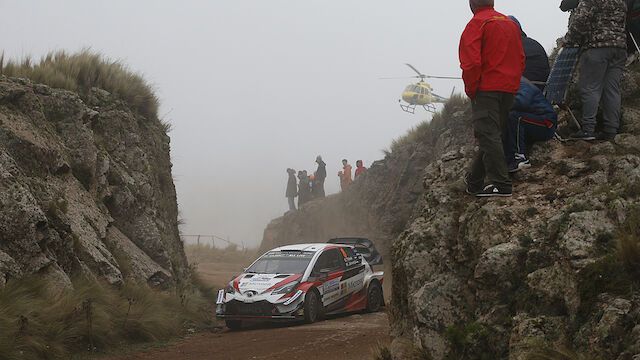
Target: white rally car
306,282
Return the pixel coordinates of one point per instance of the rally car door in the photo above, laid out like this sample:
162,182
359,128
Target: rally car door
329,270
353,277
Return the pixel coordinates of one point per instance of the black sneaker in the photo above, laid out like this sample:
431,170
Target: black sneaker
606,137
520,162
492,190
470,190
582,135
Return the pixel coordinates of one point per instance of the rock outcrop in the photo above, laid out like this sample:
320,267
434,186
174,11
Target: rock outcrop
506,278
85,188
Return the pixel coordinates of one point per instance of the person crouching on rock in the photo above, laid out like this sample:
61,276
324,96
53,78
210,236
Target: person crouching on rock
531,119
492,62
292,189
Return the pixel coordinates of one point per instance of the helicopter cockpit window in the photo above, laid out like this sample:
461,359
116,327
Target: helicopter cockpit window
408,88
416,89
422,90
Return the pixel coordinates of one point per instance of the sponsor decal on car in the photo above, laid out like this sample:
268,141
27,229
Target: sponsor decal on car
355,283
331,285
220,299
293,298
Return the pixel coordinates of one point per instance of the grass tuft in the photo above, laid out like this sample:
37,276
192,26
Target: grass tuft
83,71
92,317
423,130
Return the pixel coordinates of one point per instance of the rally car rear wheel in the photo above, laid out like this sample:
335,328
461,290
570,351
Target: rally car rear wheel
312,307
233,324
374,297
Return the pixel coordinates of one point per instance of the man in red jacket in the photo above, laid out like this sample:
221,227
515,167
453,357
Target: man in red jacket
492,62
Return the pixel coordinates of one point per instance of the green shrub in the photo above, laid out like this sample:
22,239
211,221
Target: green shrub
83,71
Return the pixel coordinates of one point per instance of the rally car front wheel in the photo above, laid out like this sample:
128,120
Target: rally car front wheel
374,297
312,307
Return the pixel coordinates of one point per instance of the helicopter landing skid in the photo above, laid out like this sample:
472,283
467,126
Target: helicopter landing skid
411,108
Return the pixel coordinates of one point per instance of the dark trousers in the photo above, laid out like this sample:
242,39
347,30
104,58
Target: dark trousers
490,116
524,130
600,73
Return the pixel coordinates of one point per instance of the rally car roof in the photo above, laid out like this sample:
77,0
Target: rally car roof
304,247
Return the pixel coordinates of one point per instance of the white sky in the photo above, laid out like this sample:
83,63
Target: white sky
255,86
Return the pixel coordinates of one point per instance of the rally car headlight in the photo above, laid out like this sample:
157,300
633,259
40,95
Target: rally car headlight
286,288
229,289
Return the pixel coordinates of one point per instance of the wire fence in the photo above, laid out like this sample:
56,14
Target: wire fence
212,240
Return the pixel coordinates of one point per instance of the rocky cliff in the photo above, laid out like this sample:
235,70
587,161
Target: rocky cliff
85,188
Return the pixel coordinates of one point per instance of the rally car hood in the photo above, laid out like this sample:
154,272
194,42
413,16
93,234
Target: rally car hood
261,283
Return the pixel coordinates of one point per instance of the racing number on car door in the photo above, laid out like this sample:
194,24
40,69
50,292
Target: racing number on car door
331,265
353,277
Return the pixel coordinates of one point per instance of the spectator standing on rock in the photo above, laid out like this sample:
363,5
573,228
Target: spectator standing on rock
320,176
292,189
346,176
359,169
492,62
304,188
537,62
598,27
531,119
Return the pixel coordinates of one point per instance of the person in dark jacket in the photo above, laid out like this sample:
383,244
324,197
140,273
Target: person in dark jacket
320,176
598,27
304,188
492,62
292,189
537,62
531,119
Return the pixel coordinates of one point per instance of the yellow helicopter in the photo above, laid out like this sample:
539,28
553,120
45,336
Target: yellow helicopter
420,93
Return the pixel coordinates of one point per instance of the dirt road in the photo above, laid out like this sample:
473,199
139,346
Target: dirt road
349,337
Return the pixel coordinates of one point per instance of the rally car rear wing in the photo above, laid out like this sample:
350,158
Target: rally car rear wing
364,246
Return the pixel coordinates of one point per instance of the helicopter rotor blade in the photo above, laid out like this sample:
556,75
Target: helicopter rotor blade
399,78
443,77
414,69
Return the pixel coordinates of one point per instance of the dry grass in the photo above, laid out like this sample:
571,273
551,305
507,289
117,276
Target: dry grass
425,128
92,317
83,71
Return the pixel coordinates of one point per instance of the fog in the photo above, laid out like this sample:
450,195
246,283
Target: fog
253,87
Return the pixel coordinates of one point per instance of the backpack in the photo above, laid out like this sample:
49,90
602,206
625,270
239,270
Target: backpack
633,25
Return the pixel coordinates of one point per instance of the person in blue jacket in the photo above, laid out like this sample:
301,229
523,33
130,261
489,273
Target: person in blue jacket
531,119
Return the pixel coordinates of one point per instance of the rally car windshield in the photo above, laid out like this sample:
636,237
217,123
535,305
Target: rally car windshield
282,262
